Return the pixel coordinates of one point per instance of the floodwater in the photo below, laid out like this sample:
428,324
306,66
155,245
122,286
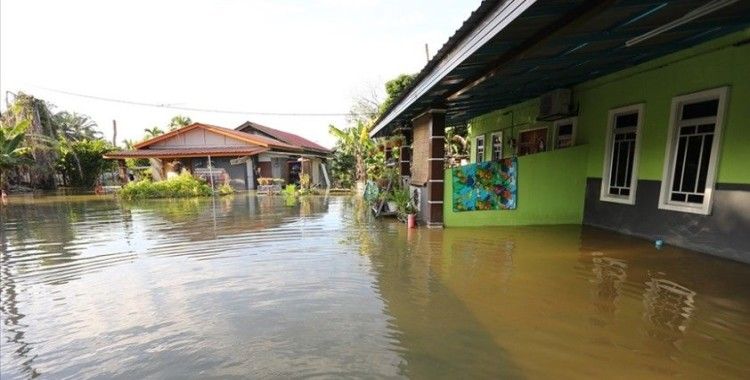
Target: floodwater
245,287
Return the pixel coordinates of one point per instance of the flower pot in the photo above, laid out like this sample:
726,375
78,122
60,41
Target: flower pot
411,221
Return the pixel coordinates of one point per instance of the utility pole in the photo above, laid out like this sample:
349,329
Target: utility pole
114,132
427,52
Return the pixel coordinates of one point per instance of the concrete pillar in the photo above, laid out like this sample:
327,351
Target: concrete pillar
250,174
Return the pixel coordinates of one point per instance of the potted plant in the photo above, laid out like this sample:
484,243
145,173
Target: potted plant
390,200
404,206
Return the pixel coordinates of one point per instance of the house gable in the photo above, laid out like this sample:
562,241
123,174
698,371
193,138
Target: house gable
198,138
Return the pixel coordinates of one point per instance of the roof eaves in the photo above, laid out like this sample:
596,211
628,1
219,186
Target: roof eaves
457,42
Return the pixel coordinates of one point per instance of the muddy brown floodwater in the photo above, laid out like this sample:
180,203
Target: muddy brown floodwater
244,287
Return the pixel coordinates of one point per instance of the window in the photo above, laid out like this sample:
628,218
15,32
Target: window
497,146
480,149
532,141
620,175
565,132
693,144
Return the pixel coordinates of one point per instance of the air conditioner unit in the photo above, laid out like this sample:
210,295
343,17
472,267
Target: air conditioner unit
555,105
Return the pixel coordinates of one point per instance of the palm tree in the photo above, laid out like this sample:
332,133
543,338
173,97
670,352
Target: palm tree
76,127
357,142
179,121
153,132
12,153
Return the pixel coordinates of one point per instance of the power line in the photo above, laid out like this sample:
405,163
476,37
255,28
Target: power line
195,109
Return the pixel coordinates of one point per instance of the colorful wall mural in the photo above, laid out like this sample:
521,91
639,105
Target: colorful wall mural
489,185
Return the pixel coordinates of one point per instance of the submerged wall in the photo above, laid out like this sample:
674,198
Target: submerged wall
722,62
551,189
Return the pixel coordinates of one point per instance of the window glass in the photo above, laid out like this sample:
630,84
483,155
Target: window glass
480,149
694,141
620,160
497,146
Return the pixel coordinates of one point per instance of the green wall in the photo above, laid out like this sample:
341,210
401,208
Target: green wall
716,63
551,185
523,116
551,188
713,64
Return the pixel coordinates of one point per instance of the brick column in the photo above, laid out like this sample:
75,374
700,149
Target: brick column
405,154
435,185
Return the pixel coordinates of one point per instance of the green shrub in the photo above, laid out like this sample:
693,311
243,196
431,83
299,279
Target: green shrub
225,189
290,195
184,185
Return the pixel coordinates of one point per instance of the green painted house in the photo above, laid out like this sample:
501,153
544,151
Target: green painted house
632,116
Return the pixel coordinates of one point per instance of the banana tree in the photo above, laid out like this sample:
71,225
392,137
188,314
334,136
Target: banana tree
12,151
357,142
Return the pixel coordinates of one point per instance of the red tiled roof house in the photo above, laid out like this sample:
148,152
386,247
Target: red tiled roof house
237,155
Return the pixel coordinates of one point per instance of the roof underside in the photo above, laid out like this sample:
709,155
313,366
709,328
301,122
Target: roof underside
549,44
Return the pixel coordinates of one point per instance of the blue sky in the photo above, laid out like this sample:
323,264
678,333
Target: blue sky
264,56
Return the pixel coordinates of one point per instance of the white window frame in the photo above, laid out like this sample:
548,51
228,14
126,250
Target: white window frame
477,158
556,125
721,93
604,194
492,145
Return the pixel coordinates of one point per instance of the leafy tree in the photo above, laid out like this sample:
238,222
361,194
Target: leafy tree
394,88
12,152
178,122
41,137
343,169
82,162
365,106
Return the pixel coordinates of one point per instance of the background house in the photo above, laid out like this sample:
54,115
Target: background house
310,159
234,156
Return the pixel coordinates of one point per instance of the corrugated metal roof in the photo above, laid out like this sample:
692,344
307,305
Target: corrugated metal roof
286,137
550,44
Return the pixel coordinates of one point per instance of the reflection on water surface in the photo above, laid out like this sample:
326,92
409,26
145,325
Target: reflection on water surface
244,286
